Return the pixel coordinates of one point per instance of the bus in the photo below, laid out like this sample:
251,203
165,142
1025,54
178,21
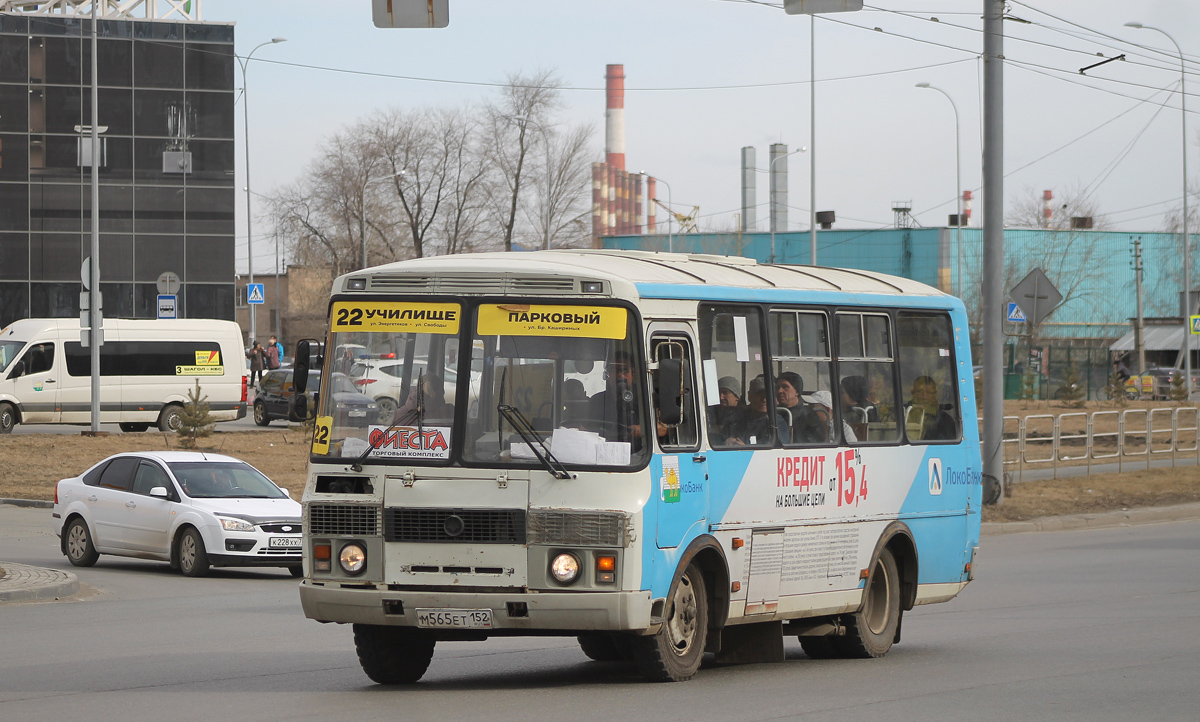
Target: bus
663,455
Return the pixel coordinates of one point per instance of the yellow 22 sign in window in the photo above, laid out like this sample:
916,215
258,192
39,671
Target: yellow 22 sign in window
395,317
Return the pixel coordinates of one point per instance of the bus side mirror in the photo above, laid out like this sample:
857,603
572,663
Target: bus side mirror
670,391
300,407
302,363
18,370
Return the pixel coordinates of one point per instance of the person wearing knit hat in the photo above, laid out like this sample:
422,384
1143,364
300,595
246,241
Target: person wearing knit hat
730,391
821,402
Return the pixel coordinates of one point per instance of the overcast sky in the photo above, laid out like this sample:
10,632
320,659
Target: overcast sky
879,138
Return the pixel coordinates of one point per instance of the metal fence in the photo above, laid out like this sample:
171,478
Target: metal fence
1134,437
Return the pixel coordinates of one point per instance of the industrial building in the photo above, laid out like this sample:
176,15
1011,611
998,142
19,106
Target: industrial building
166,112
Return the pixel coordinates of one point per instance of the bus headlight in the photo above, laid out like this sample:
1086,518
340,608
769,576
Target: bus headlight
352,559
565,568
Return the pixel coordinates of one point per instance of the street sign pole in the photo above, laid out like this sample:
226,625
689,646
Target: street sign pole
993,245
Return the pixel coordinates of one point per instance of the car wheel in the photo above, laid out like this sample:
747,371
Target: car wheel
393,655
77,543
193,559
387,409
171,418
261,417
133,428
296,571
8,418
675,652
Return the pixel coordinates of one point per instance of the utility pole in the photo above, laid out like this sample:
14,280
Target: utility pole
993,244
94,273
1139,330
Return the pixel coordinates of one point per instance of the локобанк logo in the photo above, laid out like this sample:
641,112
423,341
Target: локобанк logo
935,477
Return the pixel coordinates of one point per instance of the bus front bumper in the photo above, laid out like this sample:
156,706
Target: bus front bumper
542,611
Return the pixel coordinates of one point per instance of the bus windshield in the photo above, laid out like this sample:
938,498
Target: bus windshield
571,375
391,382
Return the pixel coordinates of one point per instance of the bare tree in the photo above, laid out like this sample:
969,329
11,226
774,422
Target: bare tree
1026,210
467,168
525,103
561,213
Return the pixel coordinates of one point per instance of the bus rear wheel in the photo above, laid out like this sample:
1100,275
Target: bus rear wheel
675,652
870,631
393,655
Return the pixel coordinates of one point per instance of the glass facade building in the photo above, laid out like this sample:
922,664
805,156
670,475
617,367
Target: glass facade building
166,171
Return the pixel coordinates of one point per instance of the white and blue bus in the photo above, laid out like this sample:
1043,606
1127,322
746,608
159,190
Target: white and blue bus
660,454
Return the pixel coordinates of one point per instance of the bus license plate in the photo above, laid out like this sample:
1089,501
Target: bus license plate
284,542
454,618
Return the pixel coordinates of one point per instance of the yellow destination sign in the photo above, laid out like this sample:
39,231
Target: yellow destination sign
575,321
395,316
199,370
208,358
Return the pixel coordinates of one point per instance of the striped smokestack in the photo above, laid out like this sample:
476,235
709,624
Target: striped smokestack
614,117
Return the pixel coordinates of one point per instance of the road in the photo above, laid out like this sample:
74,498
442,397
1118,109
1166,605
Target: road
1088,625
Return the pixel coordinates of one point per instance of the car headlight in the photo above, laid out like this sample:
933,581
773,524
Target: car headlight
235,525
339,406
565,568
352,559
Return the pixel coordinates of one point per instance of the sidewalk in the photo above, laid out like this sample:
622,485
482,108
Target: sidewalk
1102,520
21,583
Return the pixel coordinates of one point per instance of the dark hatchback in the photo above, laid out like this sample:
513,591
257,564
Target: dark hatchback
276,391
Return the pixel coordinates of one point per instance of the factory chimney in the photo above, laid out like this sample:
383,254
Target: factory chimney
614,117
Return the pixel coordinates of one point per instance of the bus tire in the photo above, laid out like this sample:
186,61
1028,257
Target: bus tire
871,630
8,418
602,647
821,647
393,655
133,427
675,652
171,418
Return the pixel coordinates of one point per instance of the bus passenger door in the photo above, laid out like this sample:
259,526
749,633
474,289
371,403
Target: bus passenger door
680,470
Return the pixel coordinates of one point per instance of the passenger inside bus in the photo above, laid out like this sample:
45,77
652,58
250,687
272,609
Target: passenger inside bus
924,415
857,409
821,404
806,428
753,427
614,409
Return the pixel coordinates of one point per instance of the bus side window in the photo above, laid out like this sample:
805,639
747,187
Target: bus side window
740,408
927,379
866,377
686,434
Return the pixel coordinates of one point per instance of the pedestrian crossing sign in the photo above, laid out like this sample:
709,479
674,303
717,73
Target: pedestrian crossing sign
1015,314
1195,325
255,293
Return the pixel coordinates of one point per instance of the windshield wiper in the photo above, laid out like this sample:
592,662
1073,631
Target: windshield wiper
373,445
533,440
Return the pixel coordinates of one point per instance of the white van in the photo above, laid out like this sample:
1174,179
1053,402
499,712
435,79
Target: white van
146,369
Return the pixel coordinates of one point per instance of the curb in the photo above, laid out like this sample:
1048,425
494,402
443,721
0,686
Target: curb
1103,520
22,583
29,503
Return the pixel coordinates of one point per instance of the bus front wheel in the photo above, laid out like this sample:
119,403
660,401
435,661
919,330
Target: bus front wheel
393,655
870,631
675,652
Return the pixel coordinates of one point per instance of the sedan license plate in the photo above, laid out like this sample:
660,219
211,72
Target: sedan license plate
284,542
454,618
358,413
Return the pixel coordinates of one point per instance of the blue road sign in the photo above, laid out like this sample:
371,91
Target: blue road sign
167,306
255,293
1015,314
1195,325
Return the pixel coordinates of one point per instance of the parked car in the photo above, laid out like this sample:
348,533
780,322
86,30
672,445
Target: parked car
383,380
276,391
1155,383
194,510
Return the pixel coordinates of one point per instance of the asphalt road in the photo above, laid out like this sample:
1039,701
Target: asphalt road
1087,625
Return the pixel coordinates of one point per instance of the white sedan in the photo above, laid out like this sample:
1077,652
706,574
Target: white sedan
194,510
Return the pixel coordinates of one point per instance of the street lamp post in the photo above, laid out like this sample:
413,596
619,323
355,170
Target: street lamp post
1187,252
249,218
957,182
670,216
771,204
362,215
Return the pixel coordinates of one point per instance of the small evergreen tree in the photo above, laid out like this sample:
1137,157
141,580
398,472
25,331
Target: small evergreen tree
1028,390
1071,391
1179,389
194,421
